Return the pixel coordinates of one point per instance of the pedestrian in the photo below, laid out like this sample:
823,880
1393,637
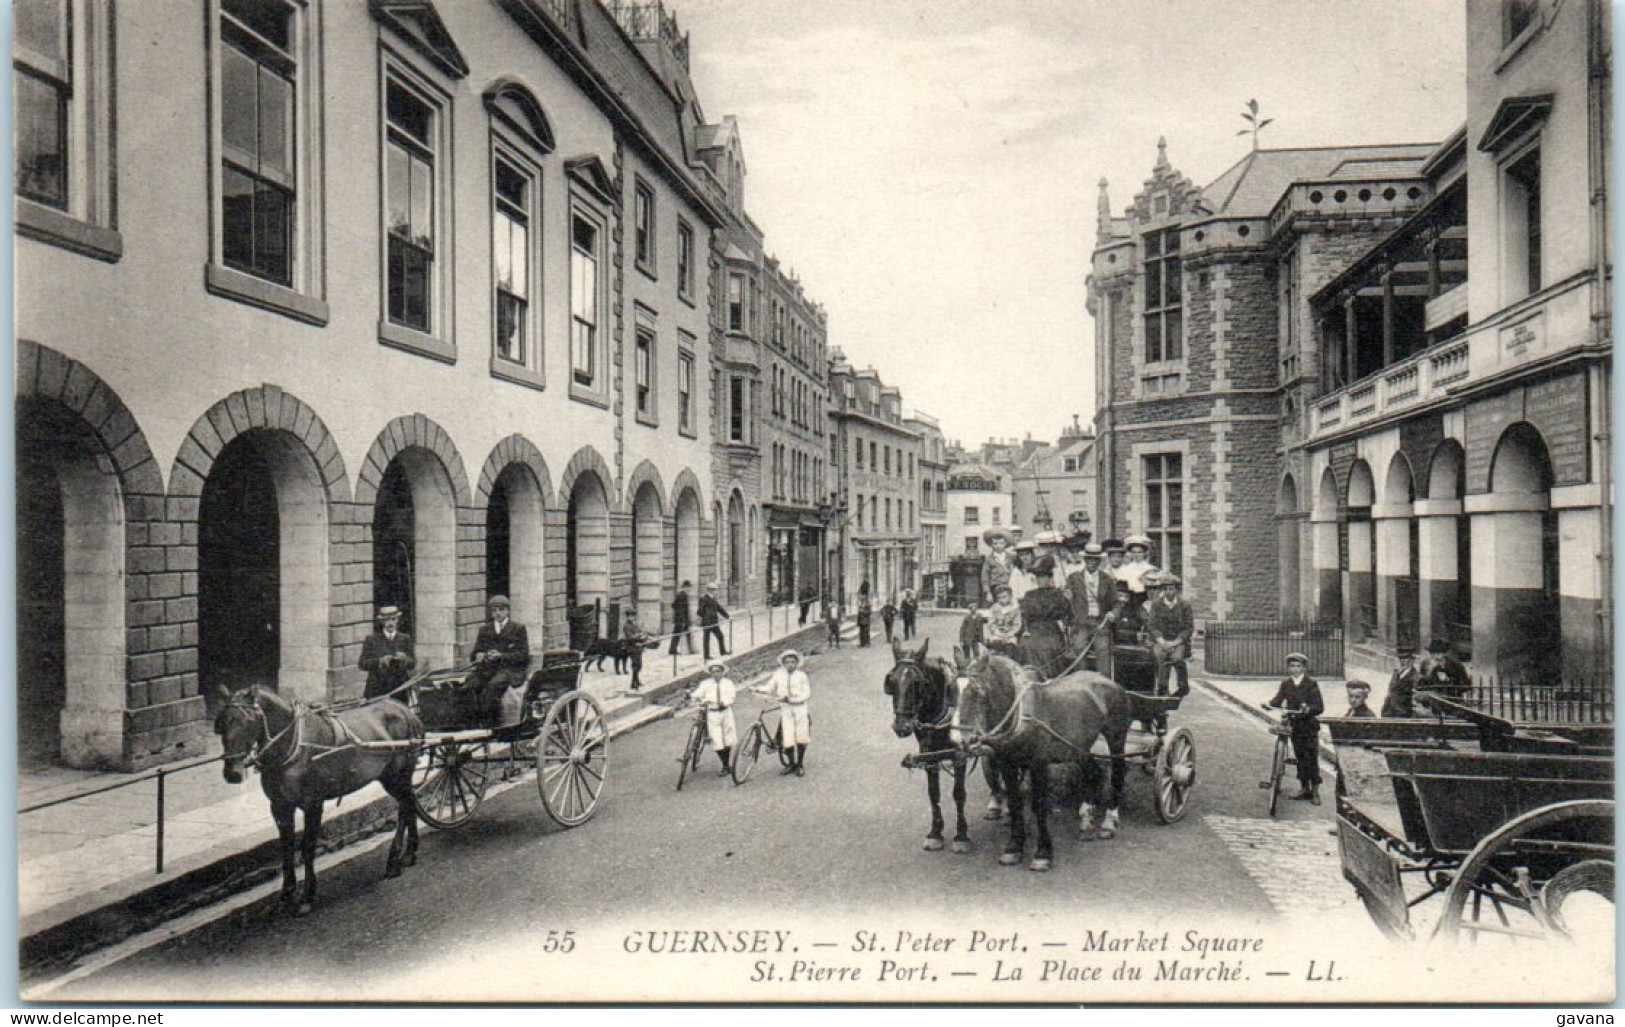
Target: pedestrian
680,619
1400,702
501,656
909,609
1092,593
832,624
715,694
1442,673
791,686
710,611
633,641
808,596
1169,624
865,615
1359,691
888,615
386,655
1300,694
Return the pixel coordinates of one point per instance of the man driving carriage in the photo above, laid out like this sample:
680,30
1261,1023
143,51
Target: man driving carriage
1092,593
501,656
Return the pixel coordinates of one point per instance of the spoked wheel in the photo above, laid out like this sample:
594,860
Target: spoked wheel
1277,771
1175,774
786,753
747,753
449,782
689,762
572,758
1515,882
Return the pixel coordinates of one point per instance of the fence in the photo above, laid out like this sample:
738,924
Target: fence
1260,648
1536,700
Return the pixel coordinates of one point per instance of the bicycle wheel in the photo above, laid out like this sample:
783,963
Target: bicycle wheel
1277,772
746,753
691,754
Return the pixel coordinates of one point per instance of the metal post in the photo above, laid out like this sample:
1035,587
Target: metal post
161,776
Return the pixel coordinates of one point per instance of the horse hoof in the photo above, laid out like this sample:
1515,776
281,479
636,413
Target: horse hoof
933,845
993,814
1039,865
409,860
302,910
961,846
1088,834
393,870
1009,859
1105,834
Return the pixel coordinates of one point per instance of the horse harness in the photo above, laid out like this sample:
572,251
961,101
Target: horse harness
264,742
1024,719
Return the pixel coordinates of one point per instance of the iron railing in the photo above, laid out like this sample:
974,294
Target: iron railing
1537,699
1260,648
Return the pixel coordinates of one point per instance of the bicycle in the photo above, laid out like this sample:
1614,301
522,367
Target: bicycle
694,748
758,736
1282,758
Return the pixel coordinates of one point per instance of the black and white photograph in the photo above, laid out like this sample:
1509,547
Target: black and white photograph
794,502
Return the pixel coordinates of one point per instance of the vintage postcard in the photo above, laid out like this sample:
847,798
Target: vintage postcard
1061,501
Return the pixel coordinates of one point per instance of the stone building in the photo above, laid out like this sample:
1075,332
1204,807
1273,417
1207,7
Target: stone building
1053,489
933,509
1450,471
978,498
470,364
877,463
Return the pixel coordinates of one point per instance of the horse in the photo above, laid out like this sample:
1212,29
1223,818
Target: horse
971,633
306,757
1029,725
923,696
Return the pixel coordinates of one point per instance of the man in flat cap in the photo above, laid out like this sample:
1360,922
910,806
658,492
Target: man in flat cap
1092,594
387,655
1300,694
1169,624
1114,554
999,562
501,657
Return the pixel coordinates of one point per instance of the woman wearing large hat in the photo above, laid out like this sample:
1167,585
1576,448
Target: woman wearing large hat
999,562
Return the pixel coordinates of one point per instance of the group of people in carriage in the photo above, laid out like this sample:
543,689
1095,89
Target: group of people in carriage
1059,607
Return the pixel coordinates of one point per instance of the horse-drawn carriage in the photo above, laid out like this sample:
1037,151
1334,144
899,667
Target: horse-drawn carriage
1503,808
560,729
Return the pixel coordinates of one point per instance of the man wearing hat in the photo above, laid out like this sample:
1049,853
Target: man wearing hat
501,657
1400,702
999,562
1300,694
791,686
1137,566
1442,673
1169,624
1045,615
715,694
1021,576
1114,554
387,655
1092,594
709,611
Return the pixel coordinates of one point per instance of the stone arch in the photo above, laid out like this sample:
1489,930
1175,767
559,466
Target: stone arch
515,492
1521,463
1327,502
1362,490
687,479
1287,546
648,550
515,449
587,552
646,474
687,516
1518,630
46,374
586,459
1445,471
1398,486
415,483
1286,500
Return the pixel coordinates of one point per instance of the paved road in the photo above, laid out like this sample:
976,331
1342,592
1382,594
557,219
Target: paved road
825,856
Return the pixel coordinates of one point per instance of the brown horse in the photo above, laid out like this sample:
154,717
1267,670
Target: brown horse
306,757
923,696
1029,725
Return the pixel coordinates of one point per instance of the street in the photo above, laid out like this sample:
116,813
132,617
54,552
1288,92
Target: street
841,847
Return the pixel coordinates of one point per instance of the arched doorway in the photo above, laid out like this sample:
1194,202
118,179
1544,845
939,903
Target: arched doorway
514,556
1517,547
414,552
1327,551
688,537
1398,588
587,555
1446,550
262,568
70,590
648,555
1286,531
736,548
1362,553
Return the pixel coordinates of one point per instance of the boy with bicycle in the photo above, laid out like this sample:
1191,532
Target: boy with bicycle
715,694
791,686
1299,696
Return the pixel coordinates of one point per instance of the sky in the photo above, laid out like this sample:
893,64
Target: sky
930,169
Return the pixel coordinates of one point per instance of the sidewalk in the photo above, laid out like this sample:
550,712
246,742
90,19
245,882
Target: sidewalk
1248,694
87,868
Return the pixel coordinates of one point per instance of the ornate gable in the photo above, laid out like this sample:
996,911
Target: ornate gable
418,23
1167,193
591,174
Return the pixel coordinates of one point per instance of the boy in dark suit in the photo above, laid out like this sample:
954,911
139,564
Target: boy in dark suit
1169,624
387,655
1300,694
501,657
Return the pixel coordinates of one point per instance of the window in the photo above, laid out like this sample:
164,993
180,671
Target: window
1523,225
874,457
736,303
42,94
1163,324
685,260
888,513
257,182
857,450
971,542
1165,510
736,410
887,451
643,231
644,373
1516,18
685,392
584,299
973,515
512,192
410,194
997,512
860,511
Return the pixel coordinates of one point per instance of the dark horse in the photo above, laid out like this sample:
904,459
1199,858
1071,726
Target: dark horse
306,757
924,694
972,645
1029,725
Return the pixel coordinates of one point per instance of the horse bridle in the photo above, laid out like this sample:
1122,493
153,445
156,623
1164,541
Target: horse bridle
950,698
254,756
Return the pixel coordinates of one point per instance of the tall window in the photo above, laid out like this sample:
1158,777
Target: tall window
257,75
1523,224
685,260
410,197
512,192
888,513
1165,509
973,515
42,90
644,372
1163,322
857,451
997,513
584,301
874,457
736,303
736,410
644,227
685,392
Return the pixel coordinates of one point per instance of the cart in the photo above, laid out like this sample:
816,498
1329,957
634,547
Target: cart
561,730
1505,820
1169,757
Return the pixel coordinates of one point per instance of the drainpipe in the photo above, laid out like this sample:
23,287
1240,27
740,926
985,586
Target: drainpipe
1598,83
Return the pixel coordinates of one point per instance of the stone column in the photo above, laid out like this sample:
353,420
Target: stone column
1328,574
1351,340
1393,527
1580,528
1439,575
1513,629
1387,317
1362,581
1290,564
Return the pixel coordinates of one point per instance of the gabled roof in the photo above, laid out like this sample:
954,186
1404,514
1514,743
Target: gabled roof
418,23
1252,187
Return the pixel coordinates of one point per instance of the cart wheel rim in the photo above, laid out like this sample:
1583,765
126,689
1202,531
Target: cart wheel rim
1175,775
449,783
572,758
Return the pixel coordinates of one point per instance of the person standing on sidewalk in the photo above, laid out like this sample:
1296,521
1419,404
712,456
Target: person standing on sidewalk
710,611
1300,693
633,641
832,623
387,655
808,596
865,616
888,616
680,620
910,609
791,686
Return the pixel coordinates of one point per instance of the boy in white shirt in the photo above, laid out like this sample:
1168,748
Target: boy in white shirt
791,686
716,693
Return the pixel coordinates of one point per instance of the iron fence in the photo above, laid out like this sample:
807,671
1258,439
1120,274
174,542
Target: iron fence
1533,699
1260,648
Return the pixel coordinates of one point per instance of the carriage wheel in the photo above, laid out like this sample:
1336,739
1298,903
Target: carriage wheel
1501,887
572,757
449,782
747,753
1175,774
